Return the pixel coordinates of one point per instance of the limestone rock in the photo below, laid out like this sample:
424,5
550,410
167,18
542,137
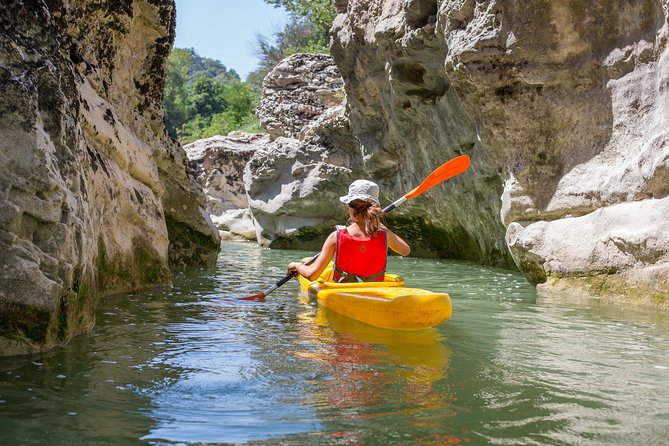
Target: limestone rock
297,91
292,186
218,165
294,183
94,196
294,180
561,106
409,120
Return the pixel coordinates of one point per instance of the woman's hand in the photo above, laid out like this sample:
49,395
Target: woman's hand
292,267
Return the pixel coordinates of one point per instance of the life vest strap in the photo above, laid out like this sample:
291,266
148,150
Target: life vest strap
346,277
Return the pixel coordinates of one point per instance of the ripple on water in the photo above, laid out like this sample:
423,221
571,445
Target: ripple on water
191,363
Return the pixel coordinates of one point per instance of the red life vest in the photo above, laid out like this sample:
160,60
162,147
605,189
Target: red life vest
360,260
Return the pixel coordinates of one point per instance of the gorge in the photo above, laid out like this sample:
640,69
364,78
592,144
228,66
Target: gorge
561,106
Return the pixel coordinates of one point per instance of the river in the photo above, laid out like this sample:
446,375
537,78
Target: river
193,364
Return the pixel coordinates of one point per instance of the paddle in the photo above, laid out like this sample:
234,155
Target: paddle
449,169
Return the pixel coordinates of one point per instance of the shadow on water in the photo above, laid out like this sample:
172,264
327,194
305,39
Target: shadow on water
193,364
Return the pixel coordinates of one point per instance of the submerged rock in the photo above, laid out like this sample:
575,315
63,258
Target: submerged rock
96,198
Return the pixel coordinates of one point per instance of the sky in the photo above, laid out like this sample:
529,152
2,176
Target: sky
225,29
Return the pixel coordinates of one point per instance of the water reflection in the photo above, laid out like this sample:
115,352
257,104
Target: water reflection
373,373
86,390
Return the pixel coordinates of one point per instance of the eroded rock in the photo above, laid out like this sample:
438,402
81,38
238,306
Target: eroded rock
95,197
218,164
296,92
561,106
294,180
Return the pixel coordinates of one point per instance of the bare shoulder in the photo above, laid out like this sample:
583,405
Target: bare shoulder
332,238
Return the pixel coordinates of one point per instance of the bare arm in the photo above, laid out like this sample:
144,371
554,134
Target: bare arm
396,243
314,270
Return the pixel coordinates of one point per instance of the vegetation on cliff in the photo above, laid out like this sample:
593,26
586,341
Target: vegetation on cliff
308,31
203,98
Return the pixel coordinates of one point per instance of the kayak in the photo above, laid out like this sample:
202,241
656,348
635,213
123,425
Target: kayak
387,304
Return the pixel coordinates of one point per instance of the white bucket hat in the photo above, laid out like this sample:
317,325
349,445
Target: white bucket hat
362,190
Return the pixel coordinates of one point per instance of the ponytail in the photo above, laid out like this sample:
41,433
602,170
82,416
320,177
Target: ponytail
371,212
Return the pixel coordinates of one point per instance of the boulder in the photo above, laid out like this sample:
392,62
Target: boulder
298,91
294,193
218,165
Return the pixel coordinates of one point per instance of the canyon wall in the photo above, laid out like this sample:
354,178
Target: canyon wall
561,106
95,197
315,151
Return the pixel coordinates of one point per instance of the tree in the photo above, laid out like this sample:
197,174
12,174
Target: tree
206,96
175,98
203,98
318,13
307,32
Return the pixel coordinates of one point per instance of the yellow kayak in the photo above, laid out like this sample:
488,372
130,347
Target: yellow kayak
387,304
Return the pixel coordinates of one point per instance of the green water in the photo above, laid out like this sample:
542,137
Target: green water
192,364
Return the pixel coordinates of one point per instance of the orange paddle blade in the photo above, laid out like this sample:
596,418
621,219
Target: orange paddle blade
442,173
260,296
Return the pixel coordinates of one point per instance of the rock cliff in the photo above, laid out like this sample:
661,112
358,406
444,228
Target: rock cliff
320,143
562,107
218,165
95,197
294,180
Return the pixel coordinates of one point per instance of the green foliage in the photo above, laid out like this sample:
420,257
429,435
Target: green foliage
202,98
307,32
319,14
175,96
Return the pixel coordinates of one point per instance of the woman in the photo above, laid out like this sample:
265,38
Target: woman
360,248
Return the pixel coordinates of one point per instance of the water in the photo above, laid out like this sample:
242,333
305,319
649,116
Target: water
192,364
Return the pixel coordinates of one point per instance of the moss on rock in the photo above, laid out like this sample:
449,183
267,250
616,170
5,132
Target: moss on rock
429,240
309,238
143,267
607,286
188,246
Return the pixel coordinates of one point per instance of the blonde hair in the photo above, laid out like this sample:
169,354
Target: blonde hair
371,212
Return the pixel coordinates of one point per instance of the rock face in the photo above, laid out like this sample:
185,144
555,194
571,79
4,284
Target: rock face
294,180
218,165
296,92
96,198
562,107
